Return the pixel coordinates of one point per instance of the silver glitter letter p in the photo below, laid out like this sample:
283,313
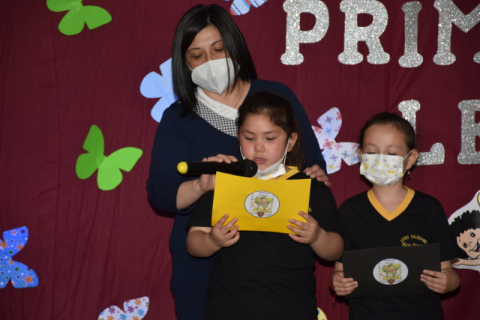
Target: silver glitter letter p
295,36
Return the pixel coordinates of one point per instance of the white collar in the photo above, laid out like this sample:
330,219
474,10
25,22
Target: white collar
217,107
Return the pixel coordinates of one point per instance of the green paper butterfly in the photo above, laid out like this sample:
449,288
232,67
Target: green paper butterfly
109,174
78,15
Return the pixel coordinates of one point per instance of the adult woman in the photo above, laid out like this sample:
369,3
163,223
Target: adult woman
213,72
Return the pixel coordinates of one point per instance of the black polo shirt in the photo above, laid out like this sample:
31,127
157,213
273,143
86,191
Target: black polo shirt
420,219
266,275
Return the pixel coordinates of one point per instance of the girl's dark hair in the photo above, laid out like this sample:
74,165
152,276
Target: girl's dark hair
468,220
395,120
279,110
192,22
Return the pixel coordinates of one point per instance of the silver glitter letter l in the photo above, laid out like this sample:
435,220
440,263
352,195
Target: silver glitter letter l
436,155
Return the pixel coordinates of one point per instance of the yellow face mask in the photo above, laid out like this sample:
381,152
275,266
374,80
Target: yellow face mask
382,169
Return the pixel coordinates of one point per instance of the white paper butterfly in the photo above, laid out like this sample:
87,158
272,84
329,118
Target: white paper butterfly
333,152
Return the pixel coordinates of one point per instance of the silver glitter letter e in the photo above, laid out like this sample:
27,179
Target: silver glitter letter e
470,129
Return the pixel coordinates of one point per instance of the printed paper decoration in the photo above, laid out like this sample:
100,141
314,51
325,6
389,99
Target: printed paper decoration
109,174
78,15
465,226
21,275
159,86
333,152
134,309
240,7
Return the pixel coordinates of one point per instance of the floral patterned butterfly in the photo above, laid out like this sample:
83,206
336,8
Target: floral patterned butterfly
134,309
333,152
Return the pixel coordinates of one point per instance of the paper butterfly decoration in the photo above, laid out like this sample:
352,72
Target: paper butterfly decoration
135,309
333,152
159,86
22,276
240,7
78,15
109,174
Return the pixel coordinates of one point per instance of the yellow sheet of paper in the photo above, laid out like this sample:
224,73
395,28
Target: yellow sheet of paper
260,205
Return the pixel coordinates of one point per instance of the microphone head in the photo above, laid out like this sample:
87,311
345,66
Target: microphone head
182,167
251,168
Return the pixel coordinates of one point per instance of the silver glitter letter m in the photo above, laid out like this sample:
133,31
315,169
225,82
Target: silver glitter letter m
295,36
449,13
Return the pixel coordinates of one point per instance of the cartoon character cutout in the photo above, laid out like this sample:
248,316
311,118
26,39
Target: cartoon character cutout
465,225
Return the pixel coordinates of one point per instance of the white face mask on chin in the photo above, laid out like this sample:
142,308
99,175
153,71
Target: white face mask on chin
213,75
382,169
275,170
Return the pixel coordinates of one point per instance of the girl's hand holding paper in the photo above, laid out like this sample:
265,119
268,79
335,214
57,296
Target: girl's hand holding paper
304,232
225,235
342,285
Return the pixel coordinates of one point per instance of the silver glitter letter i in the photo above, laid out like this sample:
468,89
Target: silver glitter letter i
411,58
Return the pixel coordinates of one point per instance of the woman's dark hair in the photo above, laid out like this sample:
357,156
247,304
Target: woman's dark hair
468,220
192,22
402,125
279,110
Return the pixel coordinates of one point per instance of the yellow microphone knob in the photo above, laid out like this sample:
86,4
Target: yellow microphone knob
182,167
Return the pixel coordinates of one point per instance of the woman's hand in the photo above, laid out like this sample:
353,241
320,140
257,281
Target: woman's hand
206,182
306,232
341,285
316,172
221,235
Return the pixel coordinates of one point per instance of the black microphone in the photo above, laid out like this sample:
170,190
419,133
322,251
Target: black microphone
244,168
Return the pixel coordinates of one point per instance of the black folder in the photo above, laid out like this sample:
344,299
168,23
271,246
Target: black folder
392,271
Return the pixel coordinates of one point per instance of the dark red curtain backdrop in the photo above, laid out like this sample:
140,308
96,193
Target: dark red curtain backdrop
92,249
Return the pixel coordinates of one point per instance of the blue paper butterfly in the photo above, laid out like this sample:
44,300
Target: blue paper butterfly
240,7
22,276
159,86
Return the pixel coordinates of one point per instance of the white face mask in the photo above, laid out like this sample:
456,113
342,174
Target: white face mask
275,170
381,169
213,75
